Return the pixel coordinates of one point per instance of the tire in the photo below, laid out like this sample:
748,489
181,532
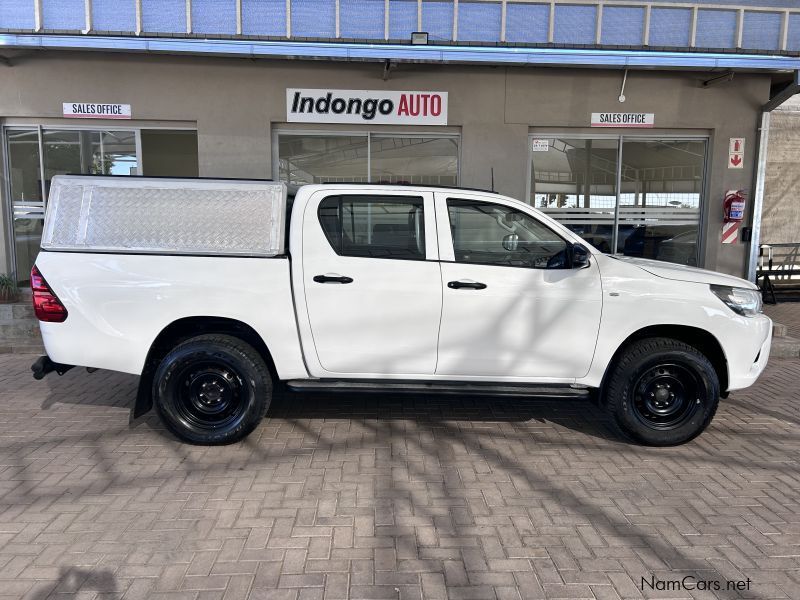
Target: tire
662,392
212,389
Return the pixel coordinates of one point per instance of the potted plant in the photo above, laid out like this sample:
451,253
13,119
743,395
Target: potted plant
8,290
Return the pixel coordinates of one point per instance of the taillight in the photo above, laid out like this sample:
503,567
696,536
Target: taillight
46,304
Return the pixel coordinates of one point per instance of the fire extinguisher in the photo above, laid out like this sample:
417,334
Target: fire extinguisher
733,206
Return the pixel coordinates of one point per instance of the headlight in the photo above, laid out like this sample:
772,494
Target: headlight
740,300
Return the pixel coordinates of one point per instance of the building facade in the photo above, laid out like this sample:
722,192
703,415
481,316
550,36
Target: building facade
629,122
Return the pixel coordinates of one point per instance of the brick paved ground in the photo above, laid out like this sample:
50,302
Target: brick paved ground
786,313
389,497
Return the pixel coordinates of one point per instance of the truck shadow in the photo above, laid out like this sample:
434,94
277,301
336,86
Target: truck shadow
541,414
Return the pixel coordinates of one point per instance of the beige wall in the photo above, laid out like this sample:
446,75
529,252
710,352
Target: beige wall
235,102
781,214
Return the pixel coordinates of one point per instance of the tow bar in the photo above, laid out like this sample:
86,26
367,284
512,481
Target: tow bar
44,365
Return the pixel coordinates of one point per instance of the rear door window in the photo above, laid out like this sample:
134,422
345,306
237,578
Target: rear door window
374,226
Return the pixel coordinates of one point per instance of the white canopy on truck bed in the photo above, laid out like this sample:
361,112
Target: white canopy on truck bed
165,216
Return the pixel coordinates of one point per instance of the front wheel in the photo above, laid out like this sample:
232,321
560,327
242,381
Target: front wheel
212,389
662,392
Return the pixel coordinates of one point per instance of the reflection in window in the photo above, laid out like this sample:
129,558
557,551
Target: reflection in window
574,180
420,160
659,212
26,197
377,158
374,226
304,159
88,153
492,234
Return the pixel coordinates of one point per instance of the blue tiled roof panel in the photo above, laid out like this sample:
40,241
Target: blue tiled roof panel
575,24
716,29
670,26
402,19
264,17
63,14
114,15
164,16
762,30
623,26
479,21
437,19
361,19
527,22
16,15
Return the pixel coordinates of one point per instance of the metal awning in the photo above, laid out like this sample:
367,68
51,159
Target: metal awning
437,54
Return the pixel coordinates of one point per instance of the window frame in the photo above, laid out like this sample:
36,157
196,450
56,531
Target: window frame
447,245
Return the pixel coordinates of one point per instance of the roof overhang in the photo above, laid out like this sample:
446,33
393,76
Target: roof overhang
432,54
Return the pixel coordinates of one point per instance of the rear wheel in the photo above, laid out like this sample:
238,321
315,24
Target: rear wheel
662,392
212,389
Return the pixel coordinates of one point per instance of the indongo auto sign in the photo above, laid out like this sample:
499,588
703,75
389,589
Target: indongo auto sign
366,106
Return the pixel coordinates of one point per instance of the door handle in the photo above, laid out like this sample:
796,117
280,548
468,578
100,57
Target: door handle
332,278
467,284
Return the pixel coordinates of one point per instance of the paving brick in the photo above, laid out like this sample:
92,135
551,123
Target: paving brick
369,496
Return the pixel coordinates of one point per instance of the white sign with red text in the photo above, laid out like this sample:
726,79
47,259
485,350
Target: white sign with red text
95,110
366,107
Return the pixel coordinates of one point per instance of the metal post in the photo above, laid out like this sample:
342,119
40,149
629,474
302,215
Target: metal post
238,17
37,15
614,233
758,196
386,19
551,23
455,20
138,17
188,16
87,11
646,33
598,24
503,12
739,27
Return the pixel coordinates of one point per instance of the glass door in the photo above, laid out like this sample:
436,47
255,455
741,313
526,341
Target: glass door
660,199
654,214
574,180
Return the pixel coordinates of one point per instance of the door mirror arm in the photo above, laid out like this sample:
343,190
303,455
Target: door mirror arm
579,256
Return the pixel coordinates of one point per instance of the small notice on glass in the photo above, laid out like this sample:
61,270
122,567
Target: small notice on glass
540,145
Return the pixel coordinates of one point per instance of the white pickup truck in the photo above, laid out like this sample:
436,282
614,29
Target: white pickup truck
220,292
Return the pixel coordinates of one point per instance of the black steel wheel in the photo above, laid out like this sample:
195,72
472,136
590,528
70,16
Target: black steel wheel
212,389
662,392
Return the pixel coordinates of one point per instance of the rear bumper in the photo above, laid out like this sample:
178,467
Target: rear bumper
747,370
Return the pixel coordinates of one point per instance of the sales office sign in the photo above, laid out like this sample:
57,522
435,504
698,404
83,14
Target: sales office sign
366,107
93,110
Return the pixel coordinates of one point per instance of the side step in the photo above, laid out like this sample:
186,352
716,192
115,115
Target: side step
433,387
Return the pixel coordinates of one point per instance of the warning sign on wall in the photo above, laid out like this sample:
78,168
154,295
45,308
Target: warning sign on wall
736,153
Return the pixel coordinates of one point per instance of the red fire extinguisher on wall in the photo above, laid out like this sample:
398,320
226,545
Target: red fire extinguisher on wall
733,207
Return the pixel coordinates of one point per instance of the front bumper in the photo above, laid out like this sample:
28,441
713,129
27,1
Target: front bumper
753,358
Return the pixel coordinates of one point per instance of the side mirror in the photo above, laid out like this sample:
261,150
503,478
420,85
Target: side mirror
511,242
580,256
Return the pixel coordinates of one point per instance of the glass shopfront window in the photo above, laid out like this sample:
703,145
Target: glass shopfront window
369,157
35,155
654,214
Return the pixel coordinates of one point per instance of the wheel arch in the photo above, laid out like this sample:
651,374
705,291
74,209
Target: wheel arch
183,329
704,341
